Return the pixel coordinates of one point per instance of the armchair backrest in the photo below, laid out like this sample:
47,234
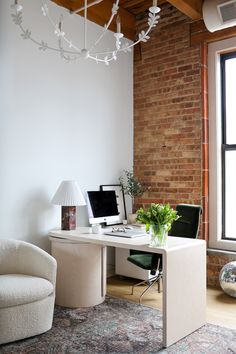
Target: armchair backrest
8,257
19,257
188,225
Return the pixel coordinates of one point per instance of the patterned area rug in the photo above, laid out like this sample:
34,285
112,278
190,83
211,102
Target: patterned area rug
119,327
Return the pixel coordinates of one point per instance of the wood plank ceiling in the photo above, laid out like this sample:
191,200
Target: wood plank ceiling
129,9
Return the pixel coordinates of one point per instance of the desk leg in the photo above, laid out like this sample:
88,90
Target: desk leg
103,271
184,292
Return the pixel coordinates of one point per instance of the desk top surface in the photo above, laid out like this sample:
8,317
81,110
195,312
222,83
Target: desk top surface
83,234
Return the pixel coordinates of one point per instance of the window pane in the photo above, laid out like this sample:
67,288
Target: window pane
230,194
230,84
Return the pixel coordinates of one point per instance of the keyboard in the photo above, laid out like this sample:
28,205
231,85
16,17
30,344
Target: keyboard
127,233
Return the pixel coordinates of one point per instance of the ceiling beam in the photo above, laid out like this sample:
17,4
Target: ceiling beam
191,8
101,13
200,34
130,3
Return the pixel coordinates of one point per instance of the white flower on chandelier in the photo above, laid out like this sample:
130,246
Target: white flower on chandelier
17,18
153,19
71,52
143,37
126,47
26,34
115,8
43,46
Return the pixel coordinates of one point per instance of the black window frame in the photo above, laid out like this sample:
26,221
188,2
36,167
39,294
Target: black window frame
224,146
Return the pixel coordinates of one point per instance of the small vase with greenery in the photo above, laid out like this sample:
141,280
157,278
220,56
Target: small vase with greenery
158,219
133,188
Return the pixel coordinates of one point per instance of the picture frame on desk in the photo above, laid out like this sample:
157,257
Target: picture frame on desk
120,200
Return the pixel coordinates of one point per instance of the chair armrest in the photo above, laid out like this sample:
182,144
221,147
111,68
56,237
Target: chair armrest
32,260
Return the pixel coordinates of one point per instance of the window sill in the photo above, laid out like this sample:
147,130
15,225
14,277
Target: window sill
215,250
222,245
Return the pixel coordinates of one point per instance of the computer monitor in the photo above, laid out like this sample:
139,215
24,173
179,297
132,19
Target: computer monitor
102,207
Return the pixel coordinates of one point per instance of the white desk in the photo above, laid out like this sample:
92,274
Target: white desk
184,277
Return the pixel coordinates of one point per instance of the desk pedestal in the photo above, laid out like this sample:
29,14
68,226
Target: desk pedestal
81,273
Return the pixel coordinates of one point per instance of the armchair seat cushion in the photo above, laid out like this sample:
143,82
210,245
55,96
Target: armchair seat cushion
19,289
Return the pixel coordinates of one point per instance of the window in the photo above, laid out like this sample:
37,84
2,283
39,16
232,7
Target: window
228,89
222,144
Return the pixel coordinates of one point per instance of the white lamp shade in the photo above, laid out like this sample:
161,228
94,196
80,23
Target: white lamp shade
68,194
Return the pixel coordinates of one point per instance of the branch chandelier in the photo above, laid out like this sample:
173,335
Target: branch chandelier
68,50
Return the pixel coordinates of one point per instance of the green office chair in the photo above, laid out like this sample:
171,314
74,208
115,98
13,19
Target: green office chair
186,226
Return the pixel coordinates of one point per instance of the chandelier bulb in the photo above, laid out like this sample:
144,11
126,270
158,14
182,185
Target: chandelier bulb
85,53
118,24
18,7
61,20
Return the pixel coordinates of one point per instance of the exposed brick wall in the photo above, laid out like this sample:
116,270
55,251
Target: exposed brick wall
215,262
171,122
168,113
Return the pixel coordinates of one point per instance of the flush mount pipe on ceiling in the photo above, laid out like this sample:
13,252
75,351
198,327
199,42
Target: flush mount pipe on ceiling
70,51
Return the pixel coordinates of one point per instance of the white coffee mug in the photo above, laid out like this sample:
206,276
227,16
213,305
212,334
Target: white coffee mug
96,229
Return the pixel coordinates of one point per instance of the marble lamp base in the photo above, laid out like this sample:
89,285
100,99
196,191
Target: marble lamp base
68,217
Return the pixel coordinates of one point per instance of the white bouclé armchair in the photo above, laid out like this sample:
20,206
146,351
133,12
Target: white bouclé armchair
27,290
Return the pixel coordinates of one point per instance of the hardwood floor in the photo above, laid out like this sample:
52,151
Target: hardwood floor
221,308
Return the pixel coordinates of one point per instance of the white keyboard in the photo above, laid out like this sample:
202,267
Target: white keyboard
127,233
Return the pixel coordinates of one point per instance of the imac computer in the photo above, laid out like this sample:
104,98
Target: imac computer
102,207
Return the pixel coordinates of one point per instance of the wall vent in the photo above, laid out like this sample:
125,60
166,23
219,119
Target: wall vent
227,11
219,14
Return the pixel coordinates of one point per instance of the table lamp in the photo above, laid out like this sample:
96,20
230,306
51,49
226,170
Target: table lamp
68,195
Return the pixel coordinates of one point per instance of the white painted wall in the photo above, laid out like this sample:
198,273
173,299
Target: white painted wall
57,121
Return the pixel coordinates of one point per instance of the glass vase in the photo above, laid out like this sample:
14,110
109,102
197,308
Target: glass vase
158,235
132,218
